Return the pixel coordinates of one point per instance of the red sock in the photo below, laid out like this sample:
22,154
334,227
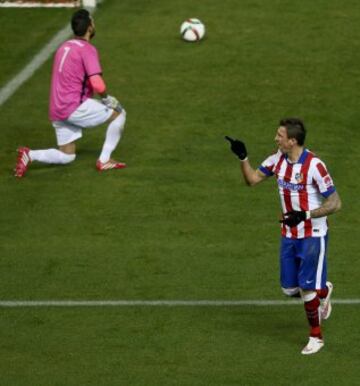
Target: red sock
312,313
322,293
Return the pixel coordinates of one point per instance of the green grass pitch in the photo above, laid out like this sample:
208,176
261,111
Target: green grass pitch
178,223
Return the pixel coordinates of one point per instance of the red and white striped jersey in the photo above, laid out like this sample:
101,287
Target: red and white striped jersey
302,186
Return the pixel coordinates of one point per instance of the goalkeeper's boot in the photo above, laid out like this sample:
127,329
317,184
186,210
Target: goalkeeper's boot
23,161
111,164
314,345
325,308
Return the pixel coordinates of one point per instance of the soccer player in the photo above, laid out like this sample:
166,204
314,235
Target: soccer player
76,77
307,195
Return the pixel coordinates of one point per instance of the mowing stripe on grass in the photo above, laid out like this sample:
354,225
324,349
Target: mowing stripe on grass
159,303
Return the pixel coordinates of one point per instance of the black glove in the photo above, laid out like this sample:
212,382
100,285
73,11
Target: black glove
294,217
238,147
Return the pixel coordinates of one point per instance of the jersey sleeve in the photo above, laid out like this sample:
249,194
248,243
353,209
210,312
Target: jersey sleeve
322,179
268,165
97,83
91,61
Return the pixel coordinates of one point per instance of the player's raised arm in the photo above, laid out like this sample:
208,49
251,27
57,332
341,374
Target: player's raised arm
252,176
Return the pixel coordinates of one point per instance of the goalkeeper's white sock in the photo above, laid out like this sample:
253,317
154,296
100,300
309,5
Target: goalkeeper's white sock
51,156
113,135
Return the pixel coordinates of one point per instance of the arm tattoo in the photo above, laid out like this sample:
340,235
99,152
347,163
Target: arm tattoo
331,205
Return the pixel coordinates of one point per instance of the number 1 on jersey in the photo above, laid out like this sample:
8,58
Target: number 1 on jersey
66,52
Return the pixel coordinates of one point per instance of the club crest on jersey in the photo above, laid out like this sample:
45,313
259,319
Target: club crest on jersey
299,177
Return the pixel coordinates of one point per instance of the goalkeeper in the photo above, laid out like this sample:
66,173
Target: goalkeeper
76,77
307,196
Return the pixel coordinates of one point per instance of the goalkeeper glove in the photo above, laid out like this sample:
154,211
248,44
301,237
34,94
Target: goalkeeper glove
295,217
112,103
238,148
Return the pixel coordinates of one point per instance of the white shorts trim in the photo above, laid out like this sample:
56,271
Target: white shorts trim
320,267
89,114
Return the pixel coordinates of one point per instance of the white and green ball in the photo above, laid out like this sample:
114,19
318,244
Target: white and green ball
192,30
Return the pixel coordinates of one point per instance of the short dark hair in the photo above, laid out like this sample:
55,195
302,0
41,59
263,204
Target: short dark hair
295,129
80,22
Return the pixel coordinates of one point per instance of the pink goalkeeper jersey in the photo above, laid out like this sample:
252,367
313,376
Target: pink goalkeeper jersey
75,61
302,186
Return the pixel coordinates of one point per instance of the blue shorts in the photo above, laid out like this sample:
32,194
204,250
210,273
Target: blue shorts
303,262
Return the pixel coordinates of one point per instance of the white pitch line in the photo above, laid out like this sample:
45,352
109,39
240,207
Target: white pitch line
11,87
158,303
27,72
9,4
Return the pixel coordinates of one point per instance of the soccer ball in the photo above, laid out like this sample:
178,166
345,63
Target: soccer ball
192,30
